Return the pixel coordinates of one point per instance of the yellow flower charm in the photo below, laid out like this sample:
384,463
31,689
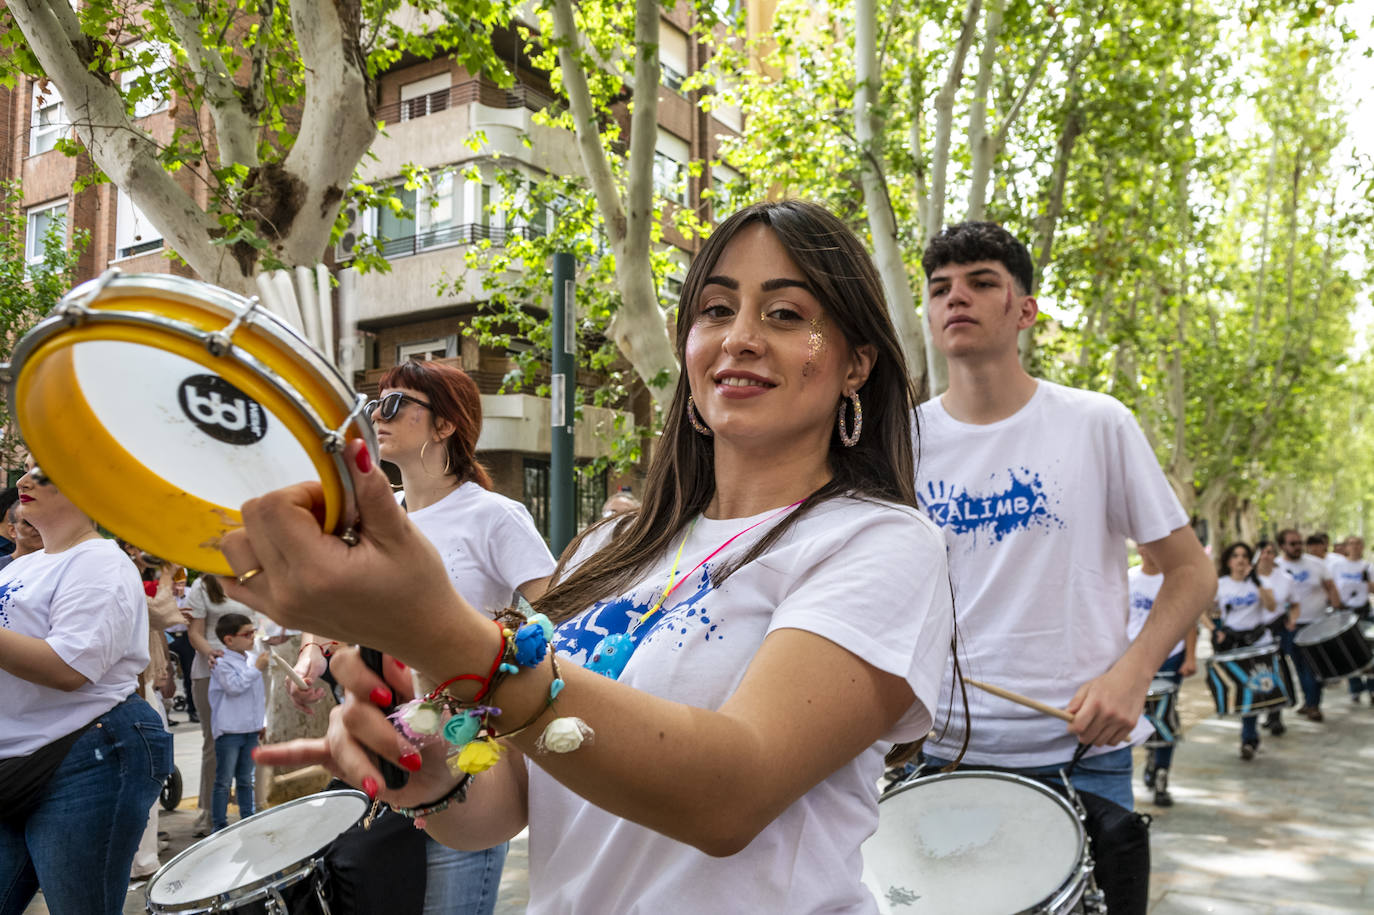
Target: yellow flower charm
477,756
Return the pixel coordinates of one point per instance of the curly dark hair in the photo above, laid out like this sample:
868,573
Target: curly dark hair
970,242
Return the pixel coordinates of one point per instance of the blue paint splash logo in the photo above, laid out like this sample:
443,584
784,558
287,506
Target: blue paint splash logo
1021,505
578,637
7,593
1142,602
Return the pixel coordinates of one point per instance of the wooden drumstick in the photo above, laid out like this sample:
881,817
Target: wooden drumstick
1020,699
290,671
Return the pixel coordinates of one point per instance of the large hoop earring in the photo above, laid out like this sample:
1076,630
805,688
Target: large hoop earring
850,439
442,473
696,420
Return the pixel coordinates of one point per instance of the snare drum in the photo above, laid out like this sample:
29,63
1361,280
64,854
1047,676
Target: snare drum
260,863
159,405
977,843
1161,709
1249,680
1335,646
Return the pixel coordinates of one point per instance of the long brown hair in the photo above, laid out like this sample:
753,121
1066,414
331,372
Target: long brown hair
681,478
452,395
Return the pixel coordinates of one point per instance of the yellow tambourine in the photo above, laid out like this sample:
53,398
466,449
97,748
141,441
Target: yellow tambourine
159,405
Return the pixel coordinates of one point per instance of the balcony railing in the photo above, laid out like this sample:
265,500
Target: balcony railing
464,93
464,234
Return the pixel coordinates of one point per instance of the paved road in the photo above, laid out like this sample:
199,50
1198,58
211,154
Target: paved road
1289,833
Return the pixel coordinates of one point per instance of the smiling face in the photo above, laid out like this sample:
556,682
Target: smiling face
977,309
765,363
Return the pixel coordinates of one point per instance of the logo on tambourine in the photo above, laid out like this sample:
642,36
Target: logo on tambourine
221,410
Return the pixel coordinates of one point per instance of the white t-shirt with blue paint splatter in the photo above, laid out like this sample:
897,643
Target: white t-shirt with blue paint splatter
1352,580
870,577
88,604
1036,510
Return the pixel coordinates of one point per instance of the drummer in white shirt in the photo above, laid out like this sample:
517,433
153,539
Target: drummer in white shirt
1285,600
1314,590
1350,573
1244,610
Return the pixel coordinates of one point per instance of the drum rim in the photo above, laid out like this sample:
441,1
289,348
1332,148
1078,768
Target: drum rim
239,894
1244,654
1172,687
1075,883
1352,620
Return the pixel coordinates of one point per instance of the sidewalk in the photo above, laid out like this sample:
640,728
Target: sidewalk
1288,833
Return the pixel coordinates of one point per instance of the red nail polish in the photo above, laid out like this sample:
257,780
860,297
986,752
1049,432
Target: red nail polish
370,787
412,762
364,460
380,696
401,665
254,754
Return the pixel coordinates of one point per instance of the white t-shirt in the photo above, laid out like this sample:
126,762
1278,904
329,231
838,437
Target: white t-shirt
1285,594
1352,580
1241,609
1036,509
489,544
238,695
867,576
88,604
202,608
1307,572
1143,590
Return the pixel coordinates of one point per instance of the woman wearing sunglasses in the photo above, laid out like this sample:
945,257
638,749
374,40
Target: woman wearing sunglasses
428,417
82,756
731,662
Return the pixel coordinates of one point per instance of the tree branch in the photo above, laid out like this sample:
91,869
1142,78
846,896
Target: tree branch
643,130
235,129
981,147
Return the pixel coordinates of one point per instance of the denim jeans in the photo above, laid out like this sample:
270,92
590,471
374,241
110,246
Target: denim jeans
1311,686
79,844
233,762
1249,730
1106,775
1163,757
462,882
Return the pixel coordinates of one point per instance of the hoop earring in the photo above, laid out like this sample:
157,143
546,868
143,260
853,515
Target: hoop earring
442,473
696,420
850,439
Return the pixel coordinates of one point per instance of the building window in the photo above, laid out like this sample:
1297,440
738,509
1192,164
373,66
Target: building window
151,60
134,234
672,55
425,96
671,154
49,122
40,222
425,350
728,185
588,496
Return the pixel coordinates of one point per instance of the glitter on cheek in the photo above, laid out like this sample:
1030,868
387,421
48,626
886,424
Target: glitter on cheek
815,347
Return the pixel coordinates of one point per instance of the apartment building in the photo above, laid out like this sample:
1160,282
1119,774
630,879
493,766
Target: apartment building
431,109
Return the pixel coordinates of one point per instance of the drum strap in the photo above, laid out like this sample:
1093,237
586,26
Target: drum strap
24,779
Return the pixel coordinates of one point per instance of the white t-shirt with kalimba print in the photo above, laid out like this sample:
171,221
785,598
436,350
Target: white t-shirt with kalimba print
1308,572
1143,590
868,576
1351,577
1036,510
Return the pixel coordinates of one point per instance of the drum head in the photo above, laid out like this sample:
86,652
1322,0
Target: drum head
253,852
1329,626
1160,686
159,440
977,843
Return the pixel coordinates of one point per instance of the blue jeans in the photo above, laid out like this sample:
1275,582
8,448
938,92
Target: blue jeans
1311,686
233,761
1249,730
1106,775
1163,757
79,844
462,882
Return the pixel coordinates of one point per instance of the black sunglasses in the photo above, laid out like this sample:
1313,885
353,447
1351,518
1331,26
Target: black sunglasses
390,405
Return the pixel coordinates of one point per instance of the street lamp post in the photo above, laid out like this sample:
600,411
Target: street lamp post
562,518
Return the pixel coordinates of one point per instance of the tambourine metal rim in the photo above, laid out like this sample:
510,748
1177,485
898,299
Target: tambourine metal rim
249,892
1074,884
72,316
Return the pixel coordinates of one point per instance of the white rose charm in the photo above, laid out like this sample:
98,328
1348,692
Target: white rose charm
563,735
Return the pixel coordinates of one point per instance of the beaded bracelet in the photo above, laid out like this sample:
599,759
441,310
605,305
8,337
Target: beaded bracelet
327,652
458,794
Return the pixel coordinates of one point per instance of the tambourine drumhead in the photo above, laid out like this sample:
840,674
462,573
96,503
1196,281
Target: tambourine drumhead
978,843
161,441
252,851
1329,626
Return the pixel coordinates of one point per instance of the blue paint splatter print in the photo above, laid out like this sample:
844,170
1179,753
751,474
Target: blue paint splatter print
1019,506
578,637
7,591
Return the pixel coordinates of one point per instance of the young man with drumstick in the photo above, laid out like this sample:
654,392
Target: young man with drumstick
1037,487
1315,591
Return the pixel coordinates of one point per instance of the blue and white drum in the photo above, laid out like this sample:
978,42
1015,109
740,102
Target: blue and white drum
1248,681
1161,710
1335,647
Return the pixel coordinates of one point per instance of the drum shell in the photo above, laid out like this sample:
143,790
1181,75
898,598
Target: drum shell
1339,654
1161,709
1248,681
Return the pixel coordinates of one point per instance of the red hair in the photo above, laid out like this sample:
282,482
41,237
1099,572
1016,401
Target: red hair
452,395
